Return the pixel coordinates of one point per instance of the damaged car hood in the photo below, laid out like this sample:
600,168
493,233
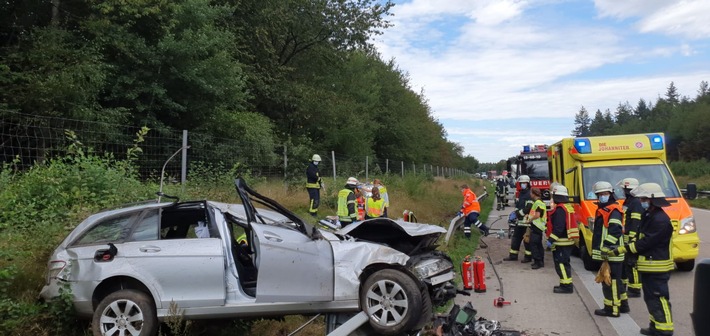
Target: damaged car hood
406,237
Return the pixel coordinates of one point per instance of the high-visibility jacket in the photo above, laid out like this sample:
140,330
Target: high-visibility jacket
375,208
562,226
541,222
360,201
384,195
470,203
347,212
522,207
632,218
313,180
654,244
608,231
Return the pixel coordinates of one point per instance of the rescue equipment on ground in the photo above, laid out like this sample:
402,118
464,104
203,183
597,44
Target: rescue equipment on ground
467,273
462,321
500,302
479,275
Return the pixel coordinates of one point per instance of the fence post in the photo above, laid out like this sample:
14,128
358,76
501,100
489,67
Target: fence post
367,168
285,162
183,171
387,166
402,169
414,169
332,154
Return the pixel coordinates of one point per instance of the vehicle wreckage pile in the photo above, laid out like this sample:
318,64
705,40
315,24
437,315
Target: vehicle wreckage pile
463,322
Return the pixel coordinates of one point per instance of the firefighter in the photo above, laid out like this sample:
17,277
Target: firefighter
538,219
470,208
655,262
360,203
608,235
313,185
522,207
375,205
632,220
562,231
383,193
347,207
501,192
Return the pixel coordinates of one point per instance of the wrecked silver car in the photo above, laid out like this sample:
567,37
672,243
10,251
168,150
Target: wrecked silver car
126,266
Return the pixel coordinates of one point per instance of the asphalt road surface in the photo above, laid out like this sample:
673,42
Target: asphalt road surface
535,310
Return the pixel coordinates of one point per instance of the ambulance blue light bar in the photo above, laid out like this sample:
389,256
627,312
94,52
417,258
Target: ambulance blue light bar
656,141
526,149
582,145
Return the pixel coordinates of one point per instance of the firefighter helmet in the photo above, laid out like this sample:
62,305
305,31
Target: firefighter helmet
316,158
352,181
628,183
648,190
524,179
559,190
602,186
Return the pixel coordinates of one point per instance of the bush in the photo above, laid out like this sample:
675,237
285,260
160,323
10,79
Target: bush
691,168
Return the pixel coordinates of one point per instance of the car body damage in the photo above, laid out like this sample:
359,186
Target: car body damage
152,255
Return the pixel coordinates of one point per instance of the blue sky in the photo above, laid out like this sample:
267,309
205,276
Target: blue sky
500,74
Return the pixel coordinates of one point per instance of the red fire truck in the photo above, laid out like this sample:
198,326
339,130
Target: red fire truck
532,162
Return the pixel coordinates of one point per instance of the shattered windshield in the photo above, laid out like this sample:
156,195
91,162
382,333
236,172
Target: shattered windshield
656,173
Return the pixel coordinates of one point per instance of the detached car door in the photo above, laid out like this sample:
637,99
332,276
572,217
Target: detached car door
187,271
292,267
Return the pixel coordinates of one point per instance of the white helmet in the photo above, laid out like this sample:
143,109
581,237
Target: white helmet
602,186
316,158
648,190
524,179
628,183
559,190
352,181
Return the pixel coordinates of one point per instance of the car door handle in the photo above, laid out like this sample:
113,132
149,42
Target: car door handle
275,239
149,248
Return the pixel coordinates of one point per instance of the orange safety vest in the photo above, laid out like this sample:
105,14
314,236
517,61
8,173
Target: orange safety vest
572,228
360,201
470,203
606,212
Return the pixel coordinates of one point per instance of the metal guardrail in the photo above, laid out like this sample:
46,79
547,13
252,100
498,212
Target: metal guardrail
698,193
457,221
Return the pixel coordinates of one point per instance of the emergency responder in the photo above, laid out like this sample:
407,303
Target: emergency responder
522,207
561,222
375,205
470,209
655,262
360,203
347,207
608,235
632,220
383,193
538,219
313,185
501,192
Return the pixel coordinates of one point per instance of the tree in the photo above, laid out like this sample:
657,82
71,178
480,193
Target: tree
624,114
642,110
703,90
599,125
672,95
582,123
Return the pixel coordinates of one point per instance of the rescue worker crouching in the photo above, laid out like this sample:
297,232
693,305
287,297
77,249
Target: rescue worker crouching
632,220
313,185
522,207
562,232
538,219
347,207
470,209
608,235
655,261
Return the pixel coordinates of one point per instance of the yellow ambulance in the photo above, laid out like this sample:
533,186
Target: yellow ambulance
578,163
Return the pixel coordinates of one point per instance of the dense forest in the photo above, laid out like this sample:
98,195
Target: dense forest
297,72
684,120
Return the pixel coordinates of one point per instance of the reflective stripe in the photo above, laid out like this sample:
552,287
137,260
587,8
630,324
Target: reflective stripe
668,325
554,236
615,221
611,239
313,185
528,253
565,280
513,252
615,297
635,215
654,266
563,242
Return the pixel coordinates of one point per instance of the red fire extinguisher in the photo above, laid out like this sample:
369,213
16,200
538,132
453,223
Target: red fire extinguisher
467,273
479,275
405,214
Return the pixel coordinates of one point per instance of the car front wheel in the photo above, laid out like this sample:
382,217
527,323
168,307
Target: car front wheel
125,312
392,301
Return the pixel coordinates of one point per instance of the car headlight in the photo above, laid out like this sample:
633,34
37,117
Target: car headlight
55,268
431,267
687,225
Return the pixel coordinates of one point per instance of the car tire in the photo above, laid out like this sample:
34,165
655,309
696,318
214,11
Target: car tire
686,266
589,263
125,312
393,302
427,314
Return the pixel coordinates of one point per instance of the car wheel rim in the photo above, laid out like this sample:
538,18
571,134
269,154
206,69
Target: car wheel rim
122,317
386,303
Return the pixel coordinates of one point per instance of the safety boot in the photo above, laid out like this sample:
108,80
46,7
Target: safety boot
563,289
646,331
624,308
526,259
511,258
604,312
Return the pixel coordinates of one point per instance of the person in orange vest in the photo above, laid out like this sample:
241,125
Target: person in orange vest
375,205
359,203
562,230
471,209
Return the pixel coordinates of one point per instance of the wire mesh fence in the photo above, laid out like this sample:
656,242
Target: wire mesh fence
26,140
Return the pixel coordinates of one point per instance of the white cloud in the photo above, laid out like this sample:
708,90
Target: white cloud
687,18
496,12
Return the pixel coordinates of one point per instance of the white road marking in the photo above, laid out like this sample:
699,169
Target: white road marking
624,324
